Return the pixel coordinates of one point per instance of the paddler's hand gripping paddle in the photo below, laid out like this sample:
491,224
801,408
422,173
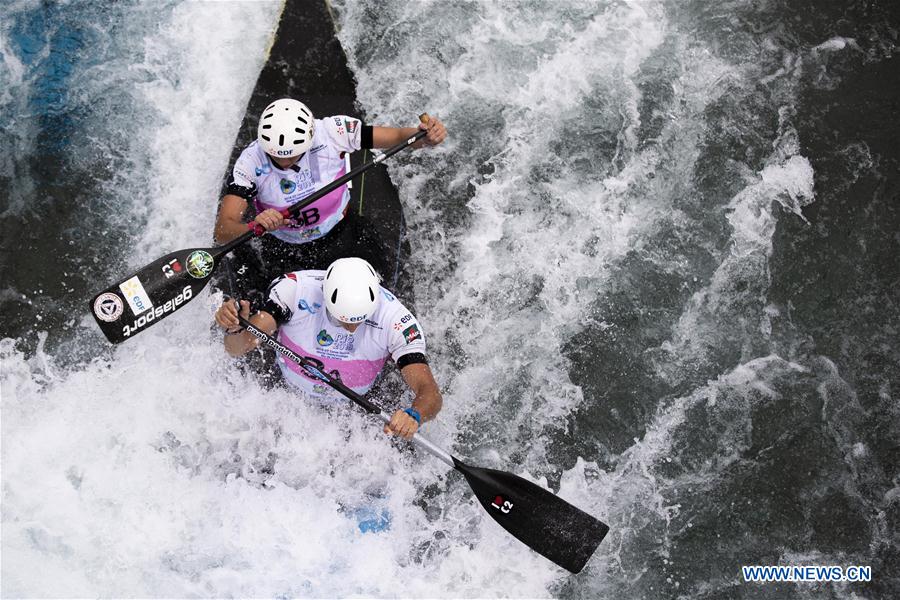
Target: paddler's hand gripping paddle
134,303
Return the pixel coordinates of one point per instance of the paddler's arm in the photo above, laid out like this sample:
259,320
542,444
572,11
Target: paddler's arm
230,224
427,401
238,341
385,137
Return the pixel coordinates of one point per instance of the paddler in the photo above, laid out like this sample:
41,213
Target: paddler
344,318
294,155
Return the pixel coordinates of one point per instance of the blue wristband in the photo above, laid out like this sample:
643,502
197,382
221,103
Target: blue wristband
414,414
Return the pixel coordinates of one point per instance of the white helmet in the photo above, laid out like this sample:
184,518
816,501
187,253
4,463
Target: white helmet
351,290
286,128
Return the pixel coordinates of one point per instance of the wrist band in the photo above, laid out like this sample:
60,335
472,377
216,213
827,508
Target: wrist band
414,414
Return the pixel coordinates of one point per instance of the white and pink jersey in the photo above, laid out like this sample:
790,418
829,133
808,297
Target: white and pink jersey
307,329
280,188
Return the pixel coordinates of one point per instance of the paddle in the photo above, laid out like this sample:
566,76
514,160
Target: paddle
168,283
537,517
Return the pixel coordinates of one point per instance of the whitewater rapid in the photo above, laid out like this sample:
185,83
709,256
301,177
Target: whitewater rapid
601,254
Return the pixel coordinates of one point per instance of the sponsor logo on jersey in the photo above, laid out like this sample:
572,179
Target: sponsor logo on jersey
307,234
136,295
318,148
287,186
411,334
403,321
262,170
337,121
323,339
351,125
304,305
170,268
372,323
108,307
199,264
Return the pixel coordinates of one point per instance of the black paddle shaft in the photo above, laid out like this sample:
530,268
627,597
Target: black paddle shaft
135,303
536,516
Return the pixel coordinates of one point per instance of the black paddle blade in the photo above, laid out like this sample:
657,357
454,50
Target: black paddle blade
153,293
539,518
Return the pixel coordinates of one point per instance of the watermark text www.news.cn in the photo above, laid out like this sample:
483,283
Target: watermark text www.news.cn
806,574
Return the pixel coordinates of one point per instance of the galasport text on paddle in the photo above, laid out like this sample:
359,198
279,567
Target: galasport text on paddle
537,517
133,304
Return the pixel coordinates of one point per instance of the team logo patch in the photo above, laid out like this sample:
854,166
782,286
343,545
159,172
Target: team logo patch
287,186
199,264
134,293
351,125
108,307
323,339
411,333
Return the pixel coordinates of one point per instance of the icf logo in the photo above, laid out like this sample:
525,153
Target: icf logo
502,505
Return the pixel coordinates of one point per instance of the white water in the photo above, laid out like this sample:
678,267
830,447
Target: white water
140,475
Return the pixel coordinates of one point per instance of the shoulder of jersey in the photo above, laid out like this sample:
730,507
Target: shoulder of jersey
254,156
309,283
391,308
387,297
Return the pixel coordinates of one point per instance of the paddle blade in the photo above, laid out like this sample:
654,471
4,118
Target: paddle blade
539,518
153,293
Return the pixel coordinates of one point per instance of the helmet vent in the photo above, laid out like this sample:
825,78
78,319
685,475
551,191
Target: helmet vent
265,137
302,120
267,126
371,295
371,270
281,140
268,116
328,274
334,296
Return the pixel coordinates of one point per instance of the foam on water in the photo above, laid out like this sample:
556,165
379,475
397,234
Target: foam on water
601,219
623,175
149,468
